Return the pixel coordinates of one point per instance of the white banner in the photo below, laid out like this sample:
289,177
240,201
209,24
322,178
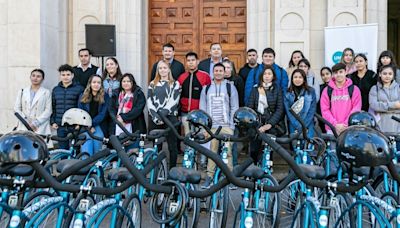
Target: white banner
362,38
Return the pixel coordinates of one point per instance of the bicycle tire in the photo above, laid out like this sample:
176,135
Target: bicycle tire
33,199
267,215
219,211
69,216
192,212
133,206
393,200
289,202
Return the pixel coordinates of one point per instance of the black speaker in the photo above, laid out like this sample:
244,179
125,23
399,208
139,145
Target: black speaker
100,39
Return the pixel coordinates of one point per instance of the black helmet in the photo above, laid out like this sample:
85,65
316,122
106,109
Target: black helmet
22,147
363,146
199,118
245,118
362,118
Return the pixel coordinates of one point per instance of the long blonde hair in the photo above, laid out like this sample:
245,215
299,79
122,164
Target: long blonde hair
88,95
157,78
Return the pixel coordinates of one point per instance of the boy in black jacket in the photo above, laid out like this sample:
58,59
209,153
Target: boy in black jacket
64,96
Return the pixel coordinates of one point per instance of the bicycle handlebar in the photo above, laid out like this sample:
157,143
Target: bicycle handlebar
333,129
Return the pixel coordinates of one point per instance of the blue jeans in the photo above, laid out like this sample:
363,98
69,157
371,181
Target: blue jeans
92,146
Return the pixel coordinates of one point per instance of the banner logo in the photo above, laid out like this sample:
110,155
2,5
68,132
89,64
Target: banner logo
336,57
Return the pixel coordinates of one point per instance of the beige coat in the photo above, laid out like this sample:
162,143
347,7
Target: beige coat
39,111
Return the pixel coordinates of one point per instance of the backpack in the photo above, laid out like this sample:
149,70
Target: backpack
350,91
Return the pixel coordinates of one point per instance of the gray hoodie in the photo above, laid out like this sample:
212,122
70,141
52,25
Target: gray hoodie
219,105
382,101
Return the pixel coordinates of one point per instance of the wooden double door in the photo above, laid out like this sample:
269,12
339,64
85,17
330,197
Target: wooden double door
192,25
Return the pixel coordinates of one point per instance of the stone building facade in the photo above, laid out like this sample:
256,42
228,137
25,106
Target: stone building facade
48,33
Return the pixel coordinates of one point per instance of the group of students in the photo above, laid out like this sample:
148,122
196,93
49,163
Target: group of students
214,86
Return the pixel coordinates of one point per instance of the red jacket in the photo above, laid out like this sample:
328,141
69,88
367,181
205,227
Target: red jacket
190,96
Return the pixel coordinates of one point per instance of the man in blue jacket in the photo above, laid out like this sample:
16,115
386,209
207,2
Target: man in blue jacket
64,96
268,58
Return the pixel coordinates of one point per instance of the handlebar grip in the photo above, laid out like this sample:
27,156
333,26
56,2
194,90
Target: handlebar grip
303,125
396,118
23,121
333,129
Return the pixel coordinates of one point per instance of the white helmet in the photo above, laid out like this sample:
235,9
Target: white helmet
76,116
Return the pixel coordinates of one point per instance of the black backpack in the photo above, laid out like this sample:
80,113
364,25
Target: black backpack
350,90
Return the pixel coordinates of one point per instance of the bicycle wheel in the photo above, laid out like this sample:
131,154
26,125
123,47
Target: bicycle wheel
36,197
192,213
94,181
219,208
305,215
267,213
134,208
70,216
379,185
289,200
338,205
392,200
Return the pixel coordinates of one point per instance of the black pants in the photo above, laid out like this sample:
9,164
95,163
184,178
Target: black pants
256,150
171,140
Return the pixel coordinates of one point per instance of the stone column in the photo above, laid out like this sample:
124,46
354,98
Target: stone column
259,33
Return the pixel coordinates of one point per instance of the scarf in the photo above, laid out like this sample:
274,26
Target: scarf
125,101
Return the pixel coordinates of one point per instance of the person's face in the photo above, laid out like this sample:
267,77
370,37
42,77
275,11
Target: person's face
340,75
163,69
348,57
66,77
192,63
168,53
326,75
95,84
36,78
126,84
385,60
216,51
228,70
252,58
387,75
296,58
361,64
219,73
268,58
298,80
84,57
268,76
111,67
304,67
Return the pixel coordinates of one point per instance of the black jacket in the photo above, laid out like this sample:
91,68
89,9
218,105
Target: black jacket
136,115
275,112
204,65
64,98
244,71
364,84
177,69
239,84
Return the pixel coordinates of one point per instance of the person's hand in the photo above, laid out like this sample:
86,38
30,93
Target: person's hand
54,126
397,105
119,118
92,129
34,128
340,128
206,135
265,128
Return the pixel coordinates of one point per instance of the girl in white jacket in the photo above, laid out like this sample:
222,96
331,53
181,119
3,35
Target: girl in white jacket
34,104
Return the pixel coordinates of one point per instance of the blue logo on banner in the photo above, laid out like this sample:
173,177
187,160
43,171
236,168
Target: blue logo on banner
336,56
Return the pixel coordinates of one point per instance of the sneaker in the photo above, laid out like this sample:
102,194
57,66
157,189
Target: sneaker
206,183
232,187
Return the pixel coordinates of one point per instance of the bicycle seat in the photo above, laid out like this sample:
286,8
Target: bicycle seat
158,132
185,175
313,171
254,172
18,170
66,164
119,174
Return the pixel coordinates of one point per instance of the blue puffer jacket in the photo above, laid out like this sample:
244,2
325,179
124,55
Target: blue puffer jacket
102,110
254,75
307,113
64,98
